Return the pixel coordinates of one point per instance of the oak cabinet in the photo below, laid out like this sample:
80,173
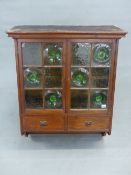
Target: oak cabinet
66,77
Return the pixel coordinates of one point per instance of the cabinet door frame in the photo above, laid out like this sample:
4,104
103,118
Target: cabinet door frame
20,79
112,68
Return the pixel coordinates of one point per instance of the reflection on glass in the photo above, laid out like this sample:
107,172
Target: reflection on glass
81,54
100,77
32,77
99,99
53,99
33,99
100,71
101,54
79,77
53,77
31,53
79,99
52,54
100,83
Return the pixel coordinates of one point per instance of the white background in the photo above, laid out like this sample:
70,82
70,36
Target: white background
64,154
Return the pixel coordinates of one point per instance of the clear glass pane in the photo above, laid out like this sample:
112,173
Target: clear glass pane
99,99
79,99
79,77
100,77
31,53
101,54
33,99
53,99
52,77
32,77
52,53
81,54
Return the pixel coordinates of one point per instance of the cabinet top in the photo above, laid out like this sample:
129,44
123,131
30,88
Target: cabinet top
26,30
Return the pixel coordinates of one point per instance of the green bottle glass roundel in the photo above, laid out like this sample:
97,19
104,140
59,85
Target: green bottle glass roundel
54,54
101,53
79,77
33,76
53,99
99,99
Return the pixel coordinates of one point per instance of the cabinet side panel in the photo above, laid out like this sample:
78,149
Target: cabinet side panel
114,67
18,83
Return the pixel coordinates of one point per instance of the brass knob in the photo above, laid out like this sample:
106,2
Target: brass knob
88,123
43,123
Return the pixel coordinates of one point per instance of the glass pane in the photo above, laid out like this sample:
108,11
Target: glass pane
100,77
79,99
98,99
33,99
52,77
81,54
79,77
53,99
32,77
52,53
101,54
31,53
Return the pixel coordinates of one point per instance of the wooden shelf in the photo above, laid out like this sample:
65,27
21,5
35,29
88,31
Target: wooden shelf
26,88
46,66
97,88
81,88
29,88
53,88
97,66
80,66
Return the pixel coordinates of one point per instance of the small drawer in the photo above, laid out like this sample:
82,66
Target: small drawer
96,124
41,124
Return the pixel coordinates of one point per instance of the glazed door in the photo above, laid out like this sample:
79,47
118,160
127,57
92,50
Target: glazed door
89,76
43,74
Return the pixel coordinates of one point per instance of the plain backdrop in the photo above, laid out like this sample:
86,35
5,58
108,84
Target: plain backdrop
64,154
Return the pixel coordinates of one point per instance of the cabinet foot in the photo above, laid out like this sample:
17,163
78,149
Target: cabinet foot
109,133
103,133
26,134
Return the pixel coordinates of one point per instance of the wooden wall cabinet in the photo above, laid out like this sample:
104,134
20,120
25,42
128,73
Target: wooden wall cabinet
66,77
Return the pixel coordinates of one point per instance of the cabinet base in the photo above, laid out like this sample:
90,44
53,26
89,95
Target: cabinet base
102,133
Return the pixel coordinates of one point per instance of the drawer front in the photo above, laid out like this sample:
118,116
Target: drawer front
77,123
41,124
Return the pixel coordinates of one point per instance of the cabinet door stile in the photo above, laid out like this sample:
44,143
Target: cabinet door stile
64,75
20,67
90,77
42,61
68,64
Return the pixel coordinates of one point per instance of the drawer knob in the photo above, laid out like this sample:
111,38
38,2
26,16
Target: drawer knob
43,123
88,123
